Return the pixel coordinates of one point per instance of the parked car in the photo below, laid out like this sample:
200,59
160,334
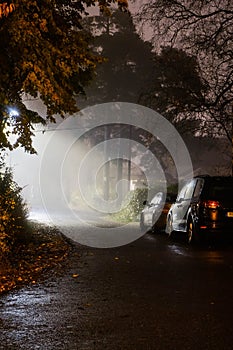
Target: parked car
154,214
204,206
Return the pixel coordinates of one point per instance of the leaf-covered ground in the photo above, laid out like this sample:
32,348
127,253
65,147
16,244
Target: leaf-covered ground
35,256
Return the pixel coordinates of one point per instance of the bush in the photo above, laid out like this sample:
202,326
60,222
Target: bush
132,205
13,212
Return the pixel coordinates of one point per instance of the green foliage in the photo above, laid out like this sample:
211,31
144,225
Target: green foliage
133,202
132,205
176,88
44,53
173,189
13,212
126,72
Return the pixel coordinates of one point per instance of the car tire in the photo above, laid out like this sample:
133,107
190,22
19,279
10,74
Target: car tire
154,229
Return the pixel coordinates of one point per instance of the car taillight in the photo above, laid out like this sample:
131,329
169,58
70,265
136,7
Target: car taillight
211,204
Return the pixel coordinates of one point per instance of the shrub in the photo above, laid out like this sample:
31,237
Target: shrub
13,212
132,205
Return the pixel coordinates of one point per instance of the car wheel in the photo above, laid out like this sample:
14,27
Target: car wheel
154,228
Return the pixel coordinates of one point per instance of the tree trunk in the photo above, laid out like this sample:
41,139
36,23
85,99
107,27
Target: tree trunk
106,164
129,157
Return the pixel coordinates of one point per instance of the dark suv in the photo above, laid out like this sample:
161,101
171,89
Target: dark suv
203,205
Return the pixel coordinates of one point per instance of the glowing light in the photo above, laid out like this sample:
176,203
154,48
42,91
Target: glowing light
211,204
13,113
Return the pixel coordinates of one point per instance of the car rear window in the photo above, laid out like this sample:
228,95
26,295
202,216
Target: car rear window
219,189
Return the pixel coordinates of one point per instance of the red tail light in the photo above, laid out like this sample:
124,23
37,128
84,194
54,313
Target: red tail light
211,204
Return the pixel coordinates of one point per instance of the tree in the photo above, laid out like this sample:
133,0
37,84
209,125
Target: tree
6,8
203,29
168,82
121,77
126,72
176,88
44,53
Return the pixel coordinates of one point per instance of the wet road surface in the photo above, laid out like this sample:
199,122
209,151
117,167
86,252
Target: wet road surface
149,294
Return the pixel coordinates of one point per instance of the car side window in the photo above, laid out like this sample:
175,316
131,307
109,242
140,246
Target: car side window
190,189
198,188
182,193
157,198
187,191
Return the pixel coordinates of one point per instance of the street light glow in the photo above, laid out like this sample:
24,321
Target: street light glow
13,113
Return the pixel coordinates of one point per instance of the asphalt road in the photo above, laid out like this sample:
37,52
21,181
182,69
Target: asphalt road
149,294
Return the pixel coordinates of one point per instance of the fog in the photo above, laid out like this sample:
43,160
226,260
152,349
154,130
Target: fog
50,177
84,169
63,185
71,171
67,173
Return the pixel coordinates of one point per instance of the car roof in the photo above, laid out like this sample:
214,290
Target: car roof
217,177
